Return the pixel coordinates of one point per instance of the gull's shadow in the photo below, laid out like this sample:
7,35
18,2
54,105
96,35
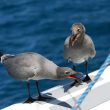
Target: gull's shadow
70,85
55,101
67,86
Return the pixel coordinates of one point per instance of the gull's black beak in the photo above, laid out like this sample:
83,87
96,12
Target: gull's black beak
73,39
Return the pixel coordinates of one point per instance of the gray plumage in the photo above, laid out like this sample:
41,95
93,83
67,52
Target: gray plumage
27,66
33,66
79,47
82,47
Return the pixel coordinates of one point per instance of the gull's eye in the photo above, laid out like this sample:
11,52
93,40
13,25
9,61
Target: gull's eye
78,29
67,72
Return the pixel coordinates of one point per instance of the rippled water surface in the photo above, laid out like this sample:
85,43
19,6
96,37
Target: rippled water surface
42,26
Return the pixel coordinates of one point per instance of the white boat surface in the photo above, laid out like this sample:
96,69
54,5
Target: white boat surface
97,99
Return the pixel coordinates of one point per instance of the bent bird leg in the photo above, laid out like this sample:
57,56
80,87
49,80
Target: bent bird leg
30,99
40,97
87,79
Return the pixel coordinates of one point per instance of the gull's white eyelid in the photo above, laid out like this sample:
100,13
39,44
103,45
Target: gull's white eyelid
67,72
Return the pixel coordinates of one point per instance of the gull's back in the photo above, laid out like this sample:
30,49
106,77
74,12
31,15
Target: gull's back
26,65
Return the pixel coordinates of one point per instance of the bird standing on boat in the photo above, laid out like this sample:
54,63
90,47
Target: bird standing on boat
33,66
79,47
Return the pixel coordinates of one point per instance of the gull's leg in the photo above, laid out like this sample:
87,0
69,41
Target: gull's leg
74,67
87,78
37,85
30,99
40,97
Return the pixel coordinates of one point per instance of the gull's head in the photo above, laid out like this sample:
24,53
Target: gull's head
78,31
77,28
66,72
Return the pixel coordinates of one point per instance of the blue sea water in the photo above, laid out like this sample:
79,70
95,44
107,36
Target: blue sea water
42,26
